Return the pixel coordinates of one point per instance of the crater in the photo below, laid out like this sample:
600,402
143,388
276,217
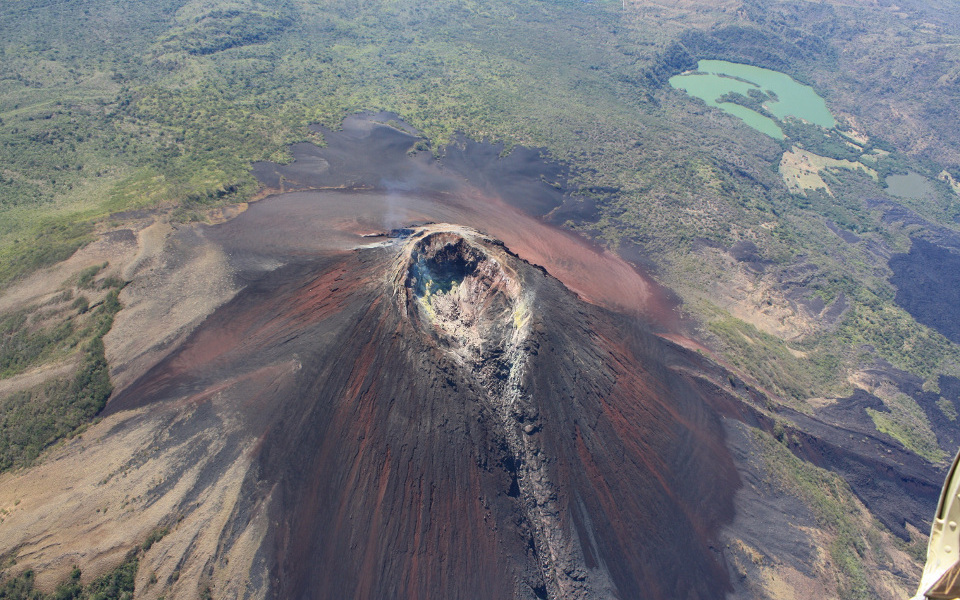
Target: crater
458,286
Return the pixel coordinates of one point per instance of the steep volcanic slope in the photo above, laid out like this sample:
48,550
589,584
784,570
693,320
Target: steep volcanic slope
460,425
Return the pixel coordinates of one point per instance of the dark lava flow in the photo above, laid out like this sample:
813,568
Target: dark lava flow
928,286
439,416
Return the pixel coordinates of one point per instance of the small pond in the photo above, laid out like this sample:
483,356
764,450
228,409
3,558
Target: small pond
912,185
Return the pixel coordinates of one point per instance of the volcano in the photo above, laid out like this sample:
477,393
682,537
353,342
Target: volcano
399,383
457,424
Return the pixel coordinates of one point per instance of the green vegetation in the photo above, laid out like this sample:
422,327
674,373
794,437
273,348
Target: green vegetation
111,106
85,278
754,100
33,419
907,423
878,323
155,536
220,30
21,348
44,244
947,408
118,584
788,372
115,585
38,334
818,140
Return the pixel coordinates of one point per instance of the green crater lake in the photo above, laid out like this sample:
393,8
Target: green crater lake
784,96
